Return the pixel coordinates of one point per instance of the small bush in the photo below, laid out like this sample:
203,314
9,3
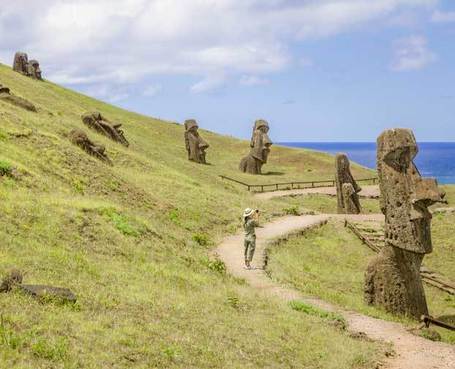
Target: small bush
201,239
174,216
292,210
6,169
216,265
123,223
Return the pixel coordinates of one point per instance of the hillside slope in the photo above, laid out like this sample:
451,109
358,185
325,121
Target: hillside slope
132,241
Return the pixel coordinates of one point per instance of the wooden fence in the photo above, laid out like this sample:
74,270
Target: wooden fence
292,185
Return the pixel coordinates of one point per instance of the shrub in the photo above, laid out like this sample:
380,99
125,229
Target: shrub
6,169
201,239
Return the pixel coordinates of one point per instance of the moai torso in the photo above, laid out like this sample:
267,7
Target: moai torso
347,187
195,145
96,121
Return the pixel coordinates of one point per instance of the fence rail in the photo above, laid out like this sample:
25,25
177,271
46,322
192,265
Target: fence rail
292,185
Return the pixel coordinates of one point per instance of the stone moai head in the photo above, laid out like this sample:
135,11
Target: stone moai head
260,142
405,195
191,125
34,70
342,163
20,63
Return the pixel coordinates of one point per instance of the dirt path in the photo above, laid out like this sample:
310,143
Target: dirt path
412,352
371,192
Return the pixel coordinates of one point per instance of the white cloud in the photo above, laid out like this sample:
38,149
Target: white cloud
152,90
209,84
412,53
253,81
124,41
442,17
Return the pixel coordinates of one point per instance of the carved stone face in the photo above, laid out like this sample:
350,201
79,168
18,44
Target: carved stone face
20,62
35,70
260,141
405,195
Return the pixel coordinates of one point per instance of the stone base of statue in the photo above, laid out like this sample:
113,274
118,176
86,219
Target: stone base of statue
251,165
393,281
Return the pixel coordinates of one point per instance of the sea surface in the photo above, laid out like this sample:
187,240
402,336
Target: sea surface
435,159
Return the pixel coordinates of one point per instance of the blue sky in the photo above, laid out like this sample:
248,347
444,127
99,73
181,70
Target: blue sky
317,70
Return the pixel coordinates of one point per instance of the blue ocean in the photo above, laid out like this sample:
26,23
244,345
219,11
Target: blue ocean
435,159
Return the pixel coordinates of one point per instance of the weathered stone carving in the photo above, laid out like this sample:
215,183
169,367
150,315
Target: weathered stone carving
14,280
393,278
80,138
96,121
260,148
34,70
27,67
194,143
20,63
347,187
5,95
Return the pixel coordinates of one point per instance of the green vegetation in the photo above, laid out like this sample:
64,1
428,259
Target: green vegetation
307,263
132,242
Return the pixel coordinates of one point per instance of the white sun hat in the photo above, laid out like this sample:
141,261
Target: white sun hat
248,212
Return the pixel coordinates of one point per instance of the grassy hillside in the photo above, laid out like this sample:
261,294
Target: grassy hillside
132,241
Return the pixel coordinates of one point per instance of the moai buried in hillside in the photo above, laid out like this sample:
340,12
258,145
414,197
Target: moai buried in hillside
28,68
33,69
96,121
347,187
393,278
194,143
80,138
20,63
5,95
260,149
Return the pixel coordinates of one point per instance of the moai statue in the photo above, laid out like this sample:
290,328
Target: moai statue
20,63
5,95
195,144
260,149
80,138
392,279
96,121
347,187
33,70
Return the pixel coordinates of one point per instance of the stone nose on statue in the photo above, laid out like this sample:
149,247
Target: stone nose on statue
427,192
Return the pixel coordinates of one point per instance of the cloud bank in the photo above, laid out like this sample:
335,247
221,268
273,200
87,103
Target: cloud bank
121,42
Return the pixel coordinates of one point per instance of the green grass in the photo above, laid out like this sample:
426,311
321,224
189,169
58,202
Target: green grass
328,204
307,263
132,242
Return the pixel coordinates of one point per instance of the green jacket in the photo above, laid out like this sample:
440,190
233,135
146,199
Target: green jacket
249,226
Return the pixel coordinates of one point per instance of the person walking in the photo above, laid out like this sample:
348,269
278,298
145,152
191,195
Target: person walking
250,222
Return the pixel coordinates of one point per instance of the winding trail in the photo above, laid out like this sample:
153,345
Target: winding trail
411,352
371,192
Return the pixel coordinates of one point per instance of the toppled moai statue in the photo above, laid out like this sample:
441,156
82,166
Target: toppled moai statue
29,68
20,63
347,187
194,143
80,138
96,121
33,70
392,279
14,280
5,95
260,149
